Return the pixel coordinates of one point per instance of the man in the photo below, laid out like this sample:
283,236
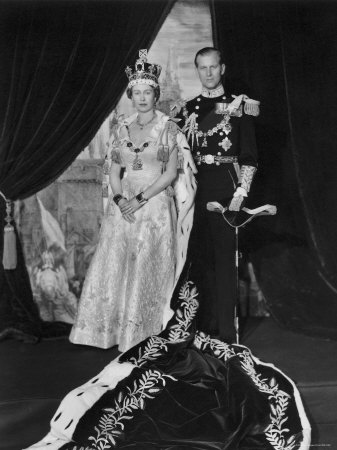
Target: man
221,134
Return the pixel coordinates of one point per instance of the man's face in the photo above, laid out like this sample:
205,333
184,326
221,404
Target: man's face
210,70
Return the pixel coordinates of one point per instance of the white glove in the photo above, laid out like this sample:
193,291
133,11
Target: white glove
237,199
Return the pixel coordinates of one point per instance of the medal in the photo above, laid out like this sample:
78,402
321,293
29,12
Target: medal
225,144
204,142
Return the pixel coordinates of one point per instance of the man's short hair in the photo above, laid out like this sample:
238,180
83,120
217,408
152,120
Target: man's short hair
207,51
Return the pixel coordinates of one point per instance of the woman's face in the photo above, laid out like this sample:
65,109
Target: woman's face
143,97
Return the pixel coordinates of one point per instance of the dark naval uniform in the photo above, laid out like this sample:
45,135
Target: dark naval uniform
223,146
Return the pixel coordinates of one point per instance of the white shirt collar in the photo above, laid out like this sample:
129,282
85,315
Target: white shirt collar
211,93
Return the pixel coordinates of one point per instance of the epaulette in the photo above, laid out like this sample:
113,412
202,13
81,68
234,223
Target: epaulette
251,107
180,104
177,107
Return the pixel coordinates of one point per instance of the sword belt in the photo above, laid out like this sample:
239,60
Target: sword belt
215,159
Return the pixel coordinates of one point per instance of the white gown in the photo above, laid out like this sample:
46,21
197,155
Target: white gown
131,277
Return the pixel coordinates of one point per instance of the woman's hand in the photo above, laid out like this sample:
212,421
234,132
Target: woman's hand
122,205
129,217
128,208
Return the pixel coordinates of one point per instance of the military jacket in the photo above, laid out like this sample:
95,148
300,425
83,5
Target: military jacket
220,143
229,134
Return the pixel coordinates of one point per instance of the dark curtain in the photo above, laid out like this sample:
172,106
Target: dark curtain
285,52
62,72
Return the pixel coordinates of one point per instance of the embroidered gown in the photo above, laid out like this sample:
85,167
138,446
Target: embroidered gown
179,390
131,277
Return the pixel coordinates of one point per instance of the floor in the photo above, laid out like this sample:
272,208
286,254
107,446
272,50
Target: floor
34,378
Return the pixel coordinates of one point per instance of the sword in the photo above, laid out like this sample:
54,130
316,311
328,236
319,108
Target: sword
264,210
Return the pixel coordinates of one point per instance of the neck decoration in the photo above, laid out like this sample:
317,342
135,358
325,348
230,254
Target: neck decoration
144,124
137,163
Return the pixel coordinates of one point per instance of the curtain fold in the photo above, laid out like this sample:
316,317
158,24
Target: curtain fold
285,52
62,73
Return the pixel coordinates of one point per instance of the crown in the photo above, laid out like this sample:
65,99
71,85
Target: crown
143,72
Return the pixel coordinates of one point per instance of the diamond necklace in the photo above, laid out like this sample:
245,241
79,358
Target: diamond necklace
142,125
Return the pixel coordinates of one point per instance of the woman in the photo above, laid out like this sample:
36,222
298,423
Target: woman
129,283
180,389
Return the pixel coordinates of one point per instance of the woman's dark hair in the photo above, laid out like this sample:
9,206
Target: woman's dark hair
156,92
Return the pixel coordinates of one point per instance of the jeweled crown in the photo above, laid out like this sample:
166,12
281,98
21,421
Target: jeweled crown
143,72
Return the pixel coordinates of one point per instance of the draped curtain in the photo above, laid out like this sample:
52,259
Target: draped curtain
62,72
285,51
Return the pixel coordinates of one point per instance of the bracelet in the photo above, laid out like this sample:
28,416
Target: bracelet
141,199
117,198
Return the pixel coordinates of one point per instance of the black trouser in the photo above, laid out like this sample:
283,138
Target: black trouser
212,253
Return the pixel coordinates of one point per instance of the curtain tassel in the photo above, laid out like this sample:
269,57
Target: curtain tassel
9,259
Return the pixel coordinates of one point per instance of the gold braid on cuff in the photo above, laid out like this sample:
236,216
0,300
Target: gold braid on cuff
246,176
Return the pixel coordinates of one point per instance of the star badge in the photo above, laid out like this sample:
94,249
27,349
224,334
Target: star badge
225,144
